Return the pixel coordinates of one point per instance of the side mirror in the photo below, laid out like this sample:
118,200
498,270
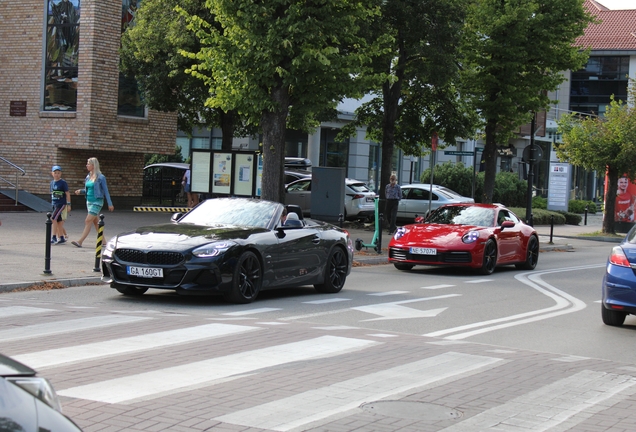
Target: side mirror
176,216
507,224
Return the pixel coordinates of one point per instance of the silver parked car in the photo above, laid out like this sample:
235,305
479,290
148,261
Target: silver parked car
359,199
415,199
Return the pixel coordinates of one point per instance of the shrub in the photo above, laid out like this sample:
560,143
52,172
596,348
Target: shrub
578,206
454,176
538,202
571,218
540,216
509,190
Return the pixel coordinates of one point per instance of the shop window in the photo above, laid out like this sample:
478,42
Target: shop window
62,50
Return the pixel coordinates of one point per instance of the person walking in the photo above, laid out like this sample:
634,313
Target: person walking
95,189
61,203
393,195
193,198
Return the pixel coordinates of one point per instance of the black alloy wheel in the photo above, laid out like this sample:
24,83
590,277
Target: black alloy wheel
247,280
532,255
335,272
490,258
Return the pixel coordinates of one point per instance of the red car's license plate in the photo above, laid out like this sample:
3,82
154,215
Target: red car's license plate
423,251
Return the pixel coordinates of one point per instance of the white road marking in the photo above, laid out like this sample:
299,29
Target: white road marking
58,327
314,405
91,351
252,311
556,407
570,359
394,310
388,293
149,385
325,301
11,311
564,304
433,287
476,281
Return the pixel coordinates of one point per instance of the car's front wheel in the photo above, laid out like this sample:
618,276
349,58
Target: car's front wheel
247,280
335,272
130,290
490,258
612,317
532,255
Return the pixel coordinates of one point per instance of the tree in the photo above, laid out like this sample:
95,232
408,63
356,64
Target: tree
414,80
514,53
279,63
605,144
150,53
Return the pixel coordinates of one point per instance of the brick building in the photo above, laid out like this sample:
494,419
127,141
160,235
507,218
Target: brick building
63,99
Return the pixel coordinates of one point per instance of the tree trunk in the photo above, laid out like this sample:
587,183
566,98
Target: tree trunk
490,157
273,124
227,128
610,201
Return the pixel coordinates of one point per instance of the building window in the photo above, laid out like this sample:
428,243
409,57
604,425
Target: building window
333,153
62,49
593,85
129,101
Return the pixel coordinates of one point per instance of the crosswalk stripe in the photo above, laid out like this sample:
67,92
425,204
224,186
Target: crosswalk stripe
92,351
157,383
314,405
11,311
558,406
48,329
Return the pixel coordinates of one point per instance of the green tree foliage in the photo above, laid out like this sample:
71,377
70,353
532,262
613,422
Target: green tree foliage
279,63
150,53
605,144
514,52
159,158
414,79
454,176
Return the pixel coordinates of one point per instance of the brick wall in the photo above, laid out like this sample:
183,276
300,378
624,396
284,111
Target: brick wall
41,139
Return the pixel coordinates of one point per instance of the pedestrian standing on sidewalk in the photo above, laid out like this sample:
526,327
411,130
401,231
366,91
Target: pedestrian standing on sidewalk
95,189
393,195
61,203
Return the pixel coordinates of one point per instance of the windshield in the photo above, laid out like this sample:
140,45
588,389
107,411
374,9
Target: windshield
463,215
233,211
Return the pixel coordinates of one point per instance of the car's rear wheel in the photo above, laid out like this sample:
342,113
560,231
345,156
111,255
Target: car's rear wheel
335,272
490,258
247,280
131,290
612,317
400,266
532,255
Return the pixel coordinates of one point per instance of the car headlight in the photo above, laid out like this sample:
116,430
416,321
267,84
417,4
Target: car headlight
212,249
470,237
399,233
110,247
41,388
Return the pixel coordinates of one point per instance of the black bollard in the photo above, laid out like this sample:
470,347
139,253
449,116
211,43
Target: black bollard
551,228
98,246
47,248
585,220
378,247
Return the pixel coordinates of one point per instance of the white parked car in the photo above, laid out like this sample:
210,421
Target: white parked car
359,199
415,199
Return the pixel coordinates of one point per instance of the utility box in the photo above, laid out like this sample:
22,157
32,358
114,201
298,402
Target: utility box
327,193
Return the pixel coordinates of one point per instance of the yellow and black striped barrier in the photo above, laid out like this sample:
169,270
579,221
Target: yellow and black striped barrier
161,209
98,244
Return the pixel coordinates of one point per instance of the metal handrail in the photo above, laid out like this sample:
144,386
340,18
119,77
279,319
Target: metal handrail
18,170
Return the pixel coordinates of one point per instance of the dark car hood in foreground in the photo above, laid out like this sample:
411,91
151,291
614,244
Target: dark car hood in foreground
182,237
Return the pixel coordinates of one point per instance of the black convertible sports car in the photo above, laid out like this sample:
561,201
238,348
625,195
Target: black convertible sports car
231,246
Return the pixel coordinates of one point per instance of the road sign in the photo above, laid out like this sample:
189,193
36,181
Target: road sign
458,153
479,149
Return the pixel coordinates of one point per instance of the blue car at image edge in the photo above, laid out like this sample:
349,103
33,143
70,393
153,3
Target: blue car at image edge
619,282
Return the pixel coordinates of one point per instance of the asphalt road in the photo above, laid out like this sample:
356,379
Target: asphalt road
425,350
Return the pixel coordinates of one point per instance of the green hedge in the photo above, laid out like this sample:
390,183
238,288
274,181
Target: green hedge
578,206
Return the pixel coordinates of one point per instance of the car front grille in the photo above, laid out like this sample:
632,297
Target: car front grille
152,257
440,258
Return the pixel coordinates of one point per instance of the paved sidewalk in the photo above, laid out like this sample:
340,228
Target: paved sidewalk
23,245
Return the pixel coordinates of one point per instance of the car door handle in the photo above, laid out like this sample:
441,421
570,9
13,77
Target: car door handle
315,240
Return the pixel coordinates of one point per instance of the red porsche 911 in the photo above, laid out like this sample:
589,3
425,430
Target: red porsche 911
480,236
